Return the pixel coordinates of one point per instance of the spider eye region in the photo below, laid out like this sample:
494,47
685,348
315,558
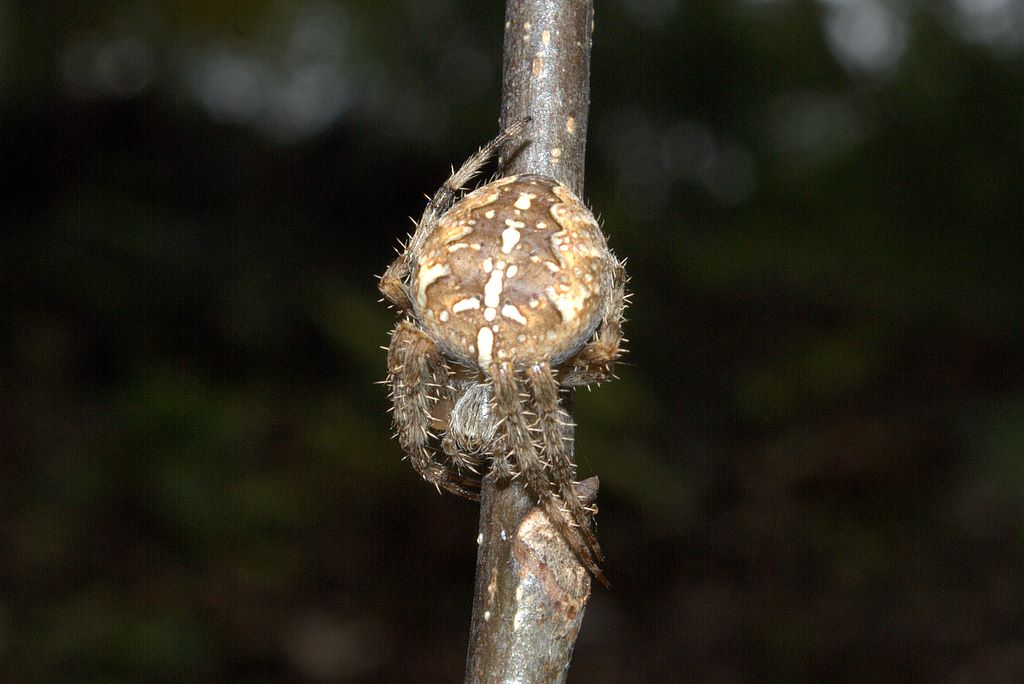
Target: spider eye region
518,269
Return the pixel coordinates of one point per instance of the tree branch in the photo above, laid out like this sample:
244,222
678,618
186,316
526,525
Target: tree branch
530,590
546,76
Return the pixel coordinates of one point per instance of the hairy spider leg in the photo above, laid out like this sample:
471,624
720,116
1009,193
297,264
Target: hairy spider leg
449,191
557,449
392,283
418,376
520,445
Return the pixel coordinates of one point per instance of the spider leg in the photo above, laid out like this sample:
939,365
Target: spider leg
557,449
449,191
393,283
521,447
418,375
595,362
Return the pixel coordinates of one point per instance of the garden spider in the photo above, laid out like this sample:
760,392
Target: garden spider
507,297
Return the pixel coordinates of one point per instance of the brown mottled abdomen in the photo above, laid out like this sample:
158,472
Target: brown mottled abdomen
515,271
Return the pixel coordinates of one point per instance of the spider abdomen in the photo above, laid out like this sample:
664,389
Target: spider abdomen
516,270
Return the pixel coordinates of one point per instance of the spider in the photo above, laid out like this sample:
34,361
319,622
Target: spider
507,297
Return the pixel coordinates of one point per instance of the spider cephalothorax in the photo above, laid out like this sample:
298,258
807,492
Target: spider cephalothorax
507,297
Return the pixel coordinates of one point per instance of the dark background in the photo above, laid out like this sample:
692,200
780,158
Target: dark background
812,464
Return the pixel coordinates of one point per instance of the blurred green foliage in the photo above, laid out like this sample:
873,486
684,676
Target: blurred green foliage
812,464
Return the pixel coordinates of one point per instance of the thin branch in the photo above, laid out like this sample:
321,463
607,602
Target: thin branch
547,76
530,590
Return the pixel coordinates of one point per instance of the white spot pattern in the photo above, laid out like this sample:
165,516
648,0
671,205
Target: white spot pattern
492,290
426,277
509,239
466,304
509,311
485,343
